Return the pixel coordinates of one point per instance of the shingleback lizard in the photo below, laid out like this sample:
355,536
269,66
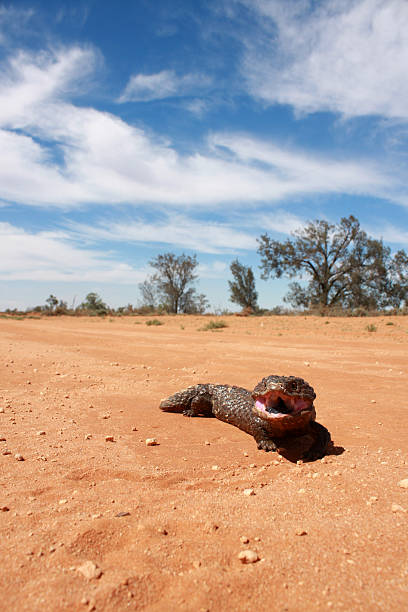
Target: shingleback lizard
277,407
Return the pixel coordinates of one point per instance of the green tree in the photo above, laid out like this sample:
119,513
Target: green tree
342,265
242,288
51,302
94,304
172,285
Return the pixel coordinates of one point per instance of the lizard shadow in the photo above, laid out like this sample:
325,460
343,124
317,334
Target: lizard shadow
293,449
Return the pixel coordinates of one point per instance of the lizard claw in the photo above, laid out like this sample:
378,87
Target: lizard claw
267,445
188,413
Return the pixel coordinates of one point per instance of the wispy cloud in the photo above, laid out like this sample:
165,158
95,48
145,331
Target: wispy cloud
12,21
389,233
164,84
347,56
53,256
175,231
55,153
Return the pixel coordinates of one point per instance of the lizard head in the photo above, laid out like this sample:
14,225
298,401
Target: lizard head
284,401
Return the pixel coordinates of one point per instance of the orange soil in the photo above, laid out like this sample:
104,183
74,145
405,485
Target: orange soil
80,380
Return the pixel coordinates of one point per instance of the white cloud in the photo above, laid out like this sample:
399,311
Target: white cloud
176,230
53,256
12,21
161,85
389,233
214,270
346,56
54,153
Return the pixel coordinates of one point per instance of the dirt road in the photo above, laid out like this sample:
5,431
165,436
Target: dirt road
93,519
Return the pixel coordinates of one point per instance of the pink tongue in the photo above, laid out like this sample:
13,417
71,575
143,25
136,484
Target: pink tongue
260,405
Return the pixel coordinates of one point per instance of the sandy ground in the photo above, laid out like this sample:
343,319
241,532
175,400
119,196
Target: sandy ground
92,524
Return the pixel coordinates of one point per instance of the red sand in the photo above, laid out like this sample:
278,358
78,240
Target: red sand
81,380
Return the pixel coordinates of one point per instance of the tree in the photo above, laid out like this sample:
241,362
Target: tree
242,288
171,286
51,302
343,266
93,303
150,293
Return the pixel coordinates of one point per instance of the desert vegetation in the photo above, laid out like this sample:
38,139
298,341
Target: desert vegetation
340,271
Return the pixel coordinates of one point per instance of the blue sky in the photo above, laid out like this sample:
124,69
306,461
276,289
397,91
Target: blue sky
136,128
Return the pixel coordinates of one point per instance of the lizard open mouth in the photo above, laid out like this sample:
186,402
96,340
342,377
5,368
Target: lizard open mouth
276,404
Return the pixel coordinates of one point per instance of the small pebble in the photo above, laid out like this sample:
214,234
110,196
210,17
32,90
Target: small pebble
244,539
215,467
2,439
207,443
134,428
90,570
62,502
109,439
41,433
106,416
19,457
151,442
4,509
120,514
162,531
88,436
1,410
248,556
397,508
301,532
249,492
403,483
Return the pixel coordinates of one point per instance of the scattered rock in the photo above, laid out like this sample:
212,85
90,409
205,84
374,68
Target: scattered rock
300,532
41,433
90,570
151,442
244,539
397,508
62,502
19,457
249,492
215,467
403,483
1,410
2,439
109,439
4,509
119,514
88,436
162,531
248,556
134,428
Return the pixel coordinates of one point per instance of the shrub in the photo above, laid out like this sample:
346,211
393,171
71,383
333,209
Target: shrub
154,322
213,325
